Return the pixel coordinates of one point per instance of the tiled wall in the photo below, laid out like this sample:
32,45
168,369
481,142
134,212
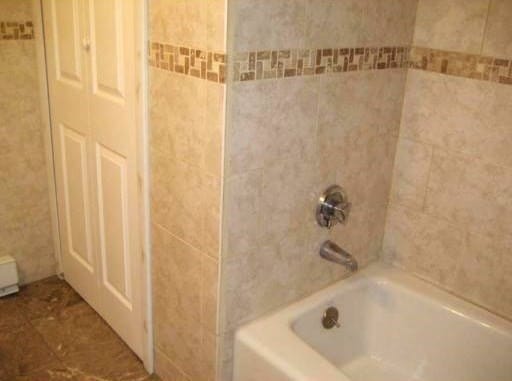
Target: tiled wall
307,107
315,96
451,201
25,226
187,42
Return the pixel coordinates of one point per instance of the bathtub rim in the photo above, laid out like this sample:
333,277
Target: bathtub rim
266,334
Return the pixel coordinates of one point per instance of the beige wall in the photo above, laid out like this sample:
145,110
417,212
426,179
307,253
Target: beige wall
289,134
451,201
25,225
186,122
288,139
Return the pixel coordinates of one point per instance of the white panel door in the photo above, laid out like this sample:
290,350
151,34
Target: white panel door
113,122
65,26
93,69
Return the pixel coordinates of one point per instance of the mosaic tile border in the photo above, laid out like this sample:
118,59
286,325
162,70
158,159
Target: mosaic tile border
268,64
13,30
277,64
473,66
197,63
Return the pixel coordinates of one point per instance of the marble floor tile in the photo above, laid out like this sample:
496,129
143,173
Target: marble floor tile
49,333
10,314
23,350
47,297
77,328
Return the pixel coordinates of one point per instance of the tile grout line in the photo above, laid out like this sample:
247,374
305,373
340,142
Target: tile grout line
486,27
43,339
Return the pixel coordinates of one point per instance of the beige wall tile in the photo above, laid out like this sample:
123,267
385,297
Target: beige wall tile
209,291
225,356
178,109
216,20
176,198
226,371
16,10
180,22
27,236
459,114
177,279
166,370
242,217
388,23
358,120
261,281
290,189
25,224
187,116
456,25
498,34
213,128
180,301
425,245
410,174
159,111
361,100
210,203
270,120
208,364
331,23
365,168
505,291
185,201
480,272
267,24
470,193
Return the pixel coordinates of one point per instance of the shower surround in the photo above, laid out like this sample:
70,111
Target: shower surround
314,95
25,223
451,201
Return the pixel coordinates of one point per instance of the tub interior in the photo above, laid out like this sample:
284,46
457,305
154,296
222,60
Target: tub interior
391,332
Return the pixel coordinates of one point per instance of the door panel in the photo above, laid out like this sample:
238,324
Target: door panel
76,196
66,29
107,48
113,213
64,24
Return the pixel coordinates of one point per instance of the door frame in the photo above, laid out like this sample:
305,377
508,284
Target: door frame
143,167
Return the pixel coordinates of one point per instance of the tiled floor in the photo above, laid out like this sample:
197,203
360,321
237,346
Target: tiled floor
48,333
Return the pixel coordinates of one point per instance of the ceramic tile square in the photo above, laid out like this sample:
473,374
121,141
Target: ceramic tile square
455,25
498,34
410,174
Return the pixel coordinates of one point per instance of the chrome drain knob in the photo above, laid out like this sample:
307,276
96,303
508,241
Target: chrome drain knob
330,318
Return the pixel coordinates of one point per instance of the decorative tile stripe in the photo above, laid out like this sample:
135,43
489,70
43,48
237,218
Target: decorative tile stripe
12,30
276,64
248,66
474,66
189,61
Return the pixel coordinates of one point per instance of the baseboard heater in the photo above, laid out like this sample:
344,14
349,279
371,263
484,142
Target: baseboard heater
8,276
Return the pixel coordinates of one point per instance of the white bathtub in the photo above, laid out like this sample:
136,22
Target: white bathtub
394,327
